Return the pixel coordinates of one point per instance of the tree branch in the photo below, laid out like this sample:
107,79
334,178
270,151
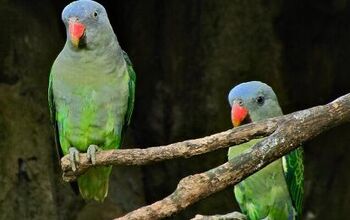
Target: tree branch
293,130
183,149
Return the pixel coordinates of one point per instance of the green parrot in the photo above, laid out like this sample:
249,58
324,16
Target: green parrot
276,191
91,92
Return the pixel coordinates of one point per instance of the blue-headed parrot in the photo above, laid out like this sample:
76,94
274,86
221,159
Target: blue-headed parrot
276,191
91,92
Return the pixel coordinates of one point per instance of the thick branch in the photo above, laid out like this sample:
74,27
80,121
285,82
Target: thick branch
295,129
183,149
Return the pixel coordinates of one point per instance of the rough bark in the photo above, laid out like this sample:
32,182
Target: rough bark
295,129
27,163
30,180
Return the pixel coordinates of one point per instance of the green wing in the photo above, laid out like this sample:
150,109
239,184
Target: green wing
132,84
50,100
294,173
52,109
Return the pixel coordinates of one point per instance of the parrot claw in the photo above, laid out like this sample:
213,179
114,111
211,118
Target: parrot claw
74,158
91,153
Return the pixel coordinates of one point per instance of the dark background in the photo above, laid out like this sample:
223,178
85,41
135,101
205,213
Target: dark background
187,55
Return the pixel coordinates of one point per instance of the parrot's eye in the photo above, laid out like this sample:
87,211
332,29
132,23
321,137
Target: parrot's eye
260,100
95,14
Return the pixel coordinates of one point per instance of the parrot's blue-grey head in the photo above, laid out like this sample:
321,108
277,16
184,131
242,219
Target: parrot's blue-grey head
252,101
86,22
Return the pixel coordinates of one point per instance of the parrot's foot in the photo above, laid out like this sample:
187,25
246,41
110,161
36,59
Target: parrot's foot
91,153
74,158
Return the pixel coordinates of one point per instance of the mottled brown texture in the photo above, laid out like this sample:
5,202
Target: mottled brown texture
26,172
293,130
30,181
187,54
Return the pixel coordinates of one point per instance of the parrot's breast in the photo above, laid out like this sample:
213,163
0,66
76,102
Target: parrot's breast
264,194
90,108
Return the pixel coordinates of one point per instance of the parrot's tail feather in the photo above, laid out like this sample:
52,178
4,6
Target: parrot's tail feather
94,183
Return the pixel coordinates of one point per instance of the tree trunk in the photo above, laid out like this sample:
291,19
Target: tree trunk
187,55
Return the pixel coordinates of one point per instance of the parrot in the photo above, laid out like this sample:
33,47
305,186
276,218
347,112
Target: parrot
91,93
276,191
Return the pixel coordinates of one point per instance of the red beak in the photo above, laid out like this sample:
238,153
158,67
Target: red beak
238,114
76,31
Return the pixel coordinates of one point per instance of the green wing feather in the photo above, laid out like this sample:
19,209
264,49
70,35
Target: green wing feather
50,100
294,173
52,109
132,84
